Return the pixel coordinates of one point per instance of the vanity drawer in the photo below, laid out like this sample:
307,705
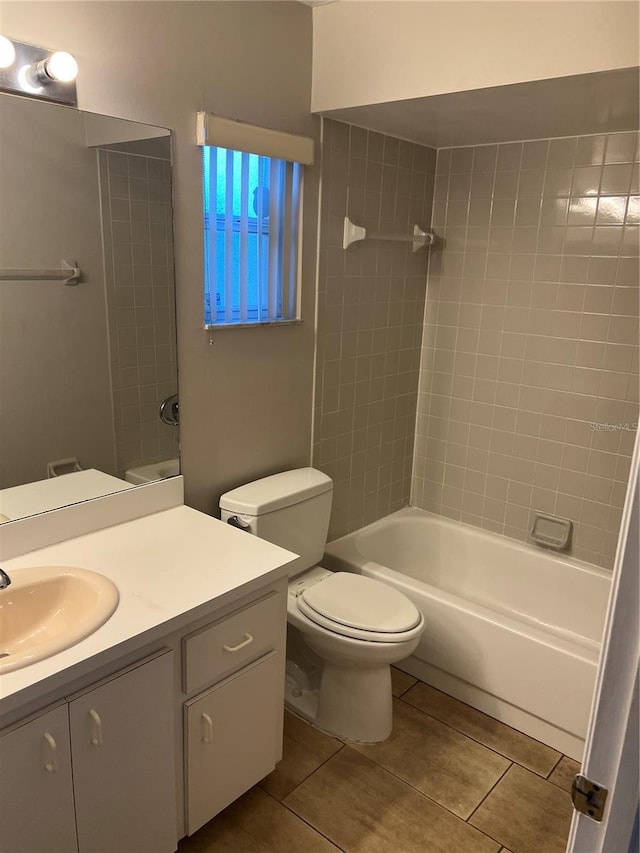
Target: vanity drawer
227,645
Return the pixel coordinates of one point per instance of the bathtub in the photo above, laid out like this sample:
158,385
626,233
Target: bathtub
510,629
153,472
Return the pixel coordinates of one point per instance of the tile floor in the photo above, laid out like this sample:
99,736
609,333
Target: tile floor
450,779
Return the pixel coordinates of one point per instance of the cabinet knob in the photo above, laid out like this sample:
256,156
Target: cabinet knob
207,736
96,728
51,763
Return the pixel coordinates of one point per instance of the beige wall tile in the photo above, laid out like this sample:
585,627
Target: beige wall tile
371,309
140,296
531,331
555,325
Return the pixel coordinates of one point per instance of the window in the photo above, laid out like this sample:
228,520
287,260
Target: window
251,230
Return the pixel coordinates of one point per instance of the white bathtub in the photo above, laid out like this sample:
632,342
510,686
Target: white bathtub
153,472
511,629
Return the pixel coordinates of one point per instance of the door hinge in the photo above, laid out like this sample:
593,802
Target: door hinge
588,797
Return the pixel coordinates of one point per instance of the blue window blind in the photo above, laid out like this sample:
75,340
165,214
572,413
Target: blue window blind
251,230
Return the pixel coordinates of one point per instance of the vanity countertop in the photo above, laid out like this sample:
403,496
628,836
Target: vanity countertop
169,567
43,495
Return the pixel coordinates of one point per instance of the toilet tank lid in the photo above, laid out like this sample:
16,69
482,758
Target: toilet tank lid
276,492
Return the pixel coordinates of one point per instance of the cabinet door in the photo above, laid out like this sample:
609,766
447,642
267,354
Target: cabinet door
233,738
36,793
122,745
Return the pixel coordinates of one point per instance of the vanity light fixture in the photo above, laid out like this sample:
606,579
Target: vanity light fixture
37,72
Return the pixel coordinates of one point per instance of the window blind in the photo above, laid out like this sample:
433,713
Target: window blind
252,216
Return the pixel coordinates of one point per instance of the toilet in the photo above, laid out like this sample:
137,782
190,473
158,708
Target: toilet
344,630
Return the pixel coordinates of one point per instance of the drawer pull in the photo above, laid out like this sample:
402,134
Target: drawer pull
96,725
207,737
52,765
247,641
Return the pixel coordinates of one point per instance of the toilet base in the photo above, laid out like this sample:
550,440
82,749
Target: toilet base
302,702
342,686
353,705
356,704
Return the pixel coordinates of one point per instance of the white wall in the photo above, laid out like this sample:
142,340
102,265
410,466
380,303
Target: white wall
373,52
245,402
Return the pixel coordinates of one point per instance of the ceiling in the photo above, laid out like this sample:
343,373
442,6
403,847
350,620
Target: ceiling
566,106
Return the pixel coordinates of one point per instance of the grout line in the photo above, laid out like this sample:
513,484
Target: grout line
341,742
409,785
555,766
303,819
475,740
299,817
407,689
316,307
493,787
309,775
534,139
404,692
481,743
403,781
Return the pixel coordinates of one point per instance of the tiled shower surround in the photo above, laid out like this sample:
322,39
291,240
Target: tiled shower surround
370,320
138,240
529,377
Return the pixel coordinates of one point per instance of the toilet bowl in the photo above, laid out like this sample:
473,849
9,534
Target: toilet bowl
344,630
353,699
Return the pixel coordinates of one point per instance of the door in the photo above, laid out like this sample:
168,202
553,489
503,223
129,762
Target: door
611,749
233,738
36,792
122,745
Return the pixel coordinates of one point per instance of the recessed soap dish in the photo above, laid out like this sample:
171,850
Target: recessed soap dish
552,532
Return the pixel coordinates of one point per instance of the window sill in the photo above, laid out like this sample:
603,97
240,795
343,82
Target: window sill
218,327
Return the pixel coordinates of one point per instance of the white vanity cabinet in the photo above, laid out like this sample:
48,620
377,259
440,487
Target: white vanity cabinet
36,789
233,729
102,764
169,735
233,736
123,762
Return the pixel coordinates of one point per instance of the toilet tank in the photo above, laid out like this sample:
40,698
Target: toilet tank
290,509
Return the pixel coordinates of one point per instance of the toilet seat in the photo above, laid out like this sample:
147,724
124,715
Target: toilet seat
361,608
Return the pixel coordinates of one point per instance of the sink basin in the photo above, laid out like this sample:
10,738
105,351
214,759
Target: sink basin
49,608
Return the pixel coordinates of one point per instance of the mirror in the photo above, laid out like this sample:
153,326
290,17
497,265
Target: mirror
86,366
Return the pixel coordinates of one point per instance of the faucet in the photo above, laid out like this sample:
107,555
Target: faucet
5,580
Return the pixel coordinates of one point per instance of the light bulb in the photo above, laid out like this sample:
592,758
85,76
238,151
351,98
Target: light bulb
61,67
27,80
7,52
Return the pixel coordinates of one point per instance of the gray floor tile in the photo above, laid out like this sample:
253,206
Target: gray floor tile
256,823
526,813
447,766
304,750
498,736
563,775
401,681
365,809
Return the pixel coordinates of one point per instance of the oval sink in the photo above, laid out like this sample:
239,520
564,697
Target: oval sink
47,609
